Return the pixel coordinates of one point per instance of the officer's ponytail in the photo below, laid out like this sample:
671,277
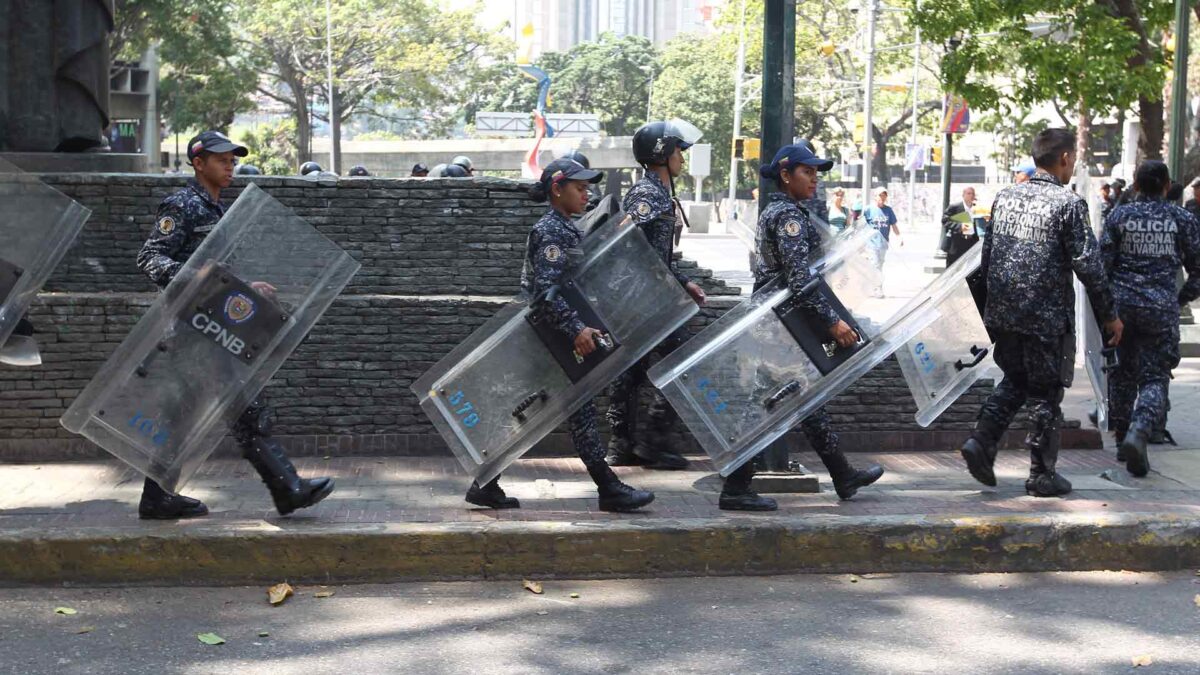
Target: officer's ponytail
769,171
537,192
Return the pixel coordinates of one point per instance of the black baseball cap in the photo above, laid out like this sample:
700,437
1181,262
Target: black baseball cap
567,169
213,141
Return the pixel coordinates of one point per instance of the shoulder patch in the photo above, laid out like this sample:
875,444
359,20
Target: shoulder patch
643,208
552,253
166,225
791,227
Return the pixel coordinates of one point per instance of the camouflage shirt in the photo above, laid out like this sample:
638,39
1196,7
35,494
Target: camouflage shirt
550,250
1039,234
788,243
649,204
1144,244
184,219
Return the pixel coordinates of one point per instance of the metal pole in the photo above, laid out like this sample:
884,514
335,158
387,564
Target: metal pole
335,126
1177,144
868,95
778,128
738,73
912,174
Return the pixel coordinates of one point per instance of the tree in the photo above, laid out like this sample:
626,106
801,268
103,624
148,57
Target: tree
406,54
203,83
271,148
1097,57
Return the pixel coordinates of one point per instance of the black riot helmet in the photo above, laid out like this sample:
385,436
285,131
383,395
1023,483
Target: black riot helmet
465,162
359,170
437,171
455,171
578,157
310,167
654,142
247,170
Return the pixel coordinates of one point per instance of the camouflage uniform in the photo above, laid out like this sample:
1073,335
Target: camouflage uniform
1039,235
1144,244
184,219
788,243
650,206
549,251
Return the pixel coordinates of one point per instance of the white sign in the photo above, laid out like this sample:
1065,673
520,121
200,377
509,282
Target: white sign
700,160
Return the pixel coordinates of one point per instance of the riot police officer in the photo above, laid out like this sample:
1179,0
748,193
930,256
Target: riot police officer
551,248
593,194
465,162
1039,235
309,168
247,170
788,243
359,171
1144,243
658,147
184,219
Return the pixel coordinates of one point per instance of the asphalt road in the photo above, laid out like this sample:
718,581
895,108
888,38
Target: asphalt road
927,623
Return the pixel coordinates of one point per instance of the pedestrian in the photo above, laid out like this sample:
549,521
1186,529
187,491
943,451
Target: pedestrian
881,218
1106,199
564,183
1040,233
1119,194
184,219
1193,204
841,218
419,170
658,147
1023,171
788,244
958,222
1145,243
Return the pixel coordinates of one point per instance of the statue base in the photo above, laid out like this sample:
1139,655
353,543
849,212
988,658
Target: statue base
78,162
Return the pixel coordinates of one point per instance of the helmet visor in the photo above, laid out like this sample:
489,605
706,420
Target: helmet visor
683,130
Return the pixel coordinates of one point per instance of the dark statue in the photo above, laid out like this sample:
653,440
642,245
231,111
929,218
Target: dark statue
54,74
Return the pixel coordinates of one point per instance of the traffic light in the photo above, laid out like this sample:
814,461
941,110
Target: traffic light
860,128
827,48
747,148
937,154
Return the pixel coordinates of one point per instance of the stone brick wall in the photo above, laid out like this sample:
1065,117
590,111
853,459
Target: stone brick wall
439,258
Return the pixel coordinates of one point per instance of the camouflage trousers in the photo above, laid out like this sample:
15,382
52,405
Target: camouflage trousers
1138,386
1037,369
585,435
624,391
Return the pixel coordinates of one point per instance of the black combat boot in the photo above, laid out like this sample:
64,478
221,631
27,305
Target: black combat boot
979,450
620,444
288,490
1133,447
158,504
655,454
1044,480
736,495
620,451
1119,433
846,479
491,496
615,495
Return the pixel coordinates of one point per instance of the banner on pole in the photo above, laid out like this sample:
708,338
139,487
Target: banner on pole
914,156
958,115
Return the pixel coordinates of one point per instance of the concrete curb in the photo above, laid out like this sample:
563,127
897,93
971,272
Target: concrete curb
251,552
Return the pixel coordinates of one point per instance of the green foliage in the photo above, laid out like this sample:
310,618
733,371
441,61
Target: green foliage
1101,55
272,148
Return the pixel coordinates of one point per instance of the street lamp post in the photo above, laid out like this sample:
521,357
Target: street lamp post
868,96
335,124
738,74
1177,144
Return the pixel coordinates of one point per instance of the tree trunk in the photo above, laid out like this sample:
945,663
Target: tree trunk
1083,135
879,165
303,131
335,134
1151,141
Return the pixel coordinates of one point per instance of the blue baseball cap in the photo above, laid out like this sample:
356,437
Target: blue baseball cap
791,155
1026,167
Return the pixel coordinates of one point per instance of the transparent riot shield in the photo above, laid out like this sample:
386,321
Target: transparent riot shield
233,314
945,358
37,226
747,379
516,379
1098,359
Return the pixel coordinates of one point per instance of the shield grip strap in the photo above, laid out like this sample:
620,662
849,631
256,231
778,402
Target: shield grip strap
519,411
980,353
784,391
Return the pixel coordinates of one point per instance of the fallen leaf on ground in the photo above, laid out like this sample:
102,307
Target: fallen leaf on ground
532,586
853,579
1196,600
263,633
64,610
279,592
574,595
323,594
85,629
210,638
1142,660
543,613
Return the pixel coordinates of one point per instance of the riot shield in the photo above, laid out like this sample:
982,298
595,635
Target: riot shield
37,226
1098,359
746,379
233,314
945,358
516,379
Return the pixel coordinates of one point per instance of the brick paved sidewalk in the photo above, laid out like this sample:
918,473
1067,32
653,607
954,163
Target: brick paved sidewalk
429,490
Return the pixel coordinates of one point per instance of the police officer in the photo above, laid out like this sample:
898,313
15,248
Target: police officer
184,219
247,170
1145,242
419,170
593,194
788,243
359,171
1039,235
658,147
455,171
465,162
549,252
309,168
